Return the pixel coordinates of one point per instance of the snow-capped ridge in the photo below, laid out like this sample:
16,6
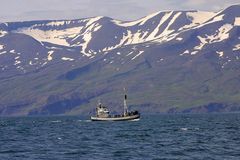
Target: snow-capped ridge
102,34
228,15
140,21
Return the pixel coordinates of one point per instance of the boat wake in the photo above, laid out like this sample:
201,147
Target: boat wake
135,119
84,120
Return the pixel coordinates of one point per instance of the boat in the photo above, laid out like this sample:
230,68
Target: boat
103,114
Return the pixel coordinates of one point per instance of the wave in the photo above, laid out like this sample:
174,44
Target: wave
56,121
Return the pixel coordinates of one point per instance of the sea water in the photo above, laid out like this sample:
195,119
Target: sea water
197,136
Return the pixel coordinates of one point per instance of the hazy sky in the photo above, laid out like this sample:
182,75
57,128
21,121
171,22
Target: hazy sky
19,10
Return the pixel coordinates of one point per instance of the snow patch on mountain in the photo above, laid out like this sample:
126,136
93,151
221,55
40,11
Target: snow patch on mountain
57,23
140,52
12,51
17,57
220,53
126,24
67,59
237,21
200,17
52,36
93,20
87,35
237,47
3,33
17,62
218,18
44,64
167,31
1,46
197,18
221,34
3,52
131,38
129,54
212,20
49,57
194,52
185,52
179,38
156,30
201,45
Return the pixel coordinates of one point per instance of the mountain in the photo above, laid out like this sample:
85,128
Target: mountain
172,61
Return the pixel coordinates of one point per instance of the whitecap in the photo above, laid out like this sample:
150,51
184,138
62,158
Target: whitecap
184,129
57,121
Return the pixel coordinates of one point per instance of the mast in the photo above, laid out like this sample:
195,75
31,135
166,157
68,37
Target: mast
99,102
125,103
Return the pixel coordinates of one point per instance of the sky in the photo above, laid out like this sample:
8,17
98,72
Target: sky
25,10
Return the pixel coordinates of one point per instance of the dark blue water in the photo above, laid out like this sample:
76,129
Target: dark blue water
153,137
